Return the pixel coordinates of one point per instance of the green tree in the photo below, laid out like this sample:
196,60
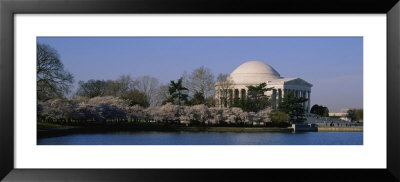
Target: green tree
279,117
210,102
360,114
320,110
351,113
256,99
52,80
325,112
136,97
177,92
240,103
293,106
355,114
198,98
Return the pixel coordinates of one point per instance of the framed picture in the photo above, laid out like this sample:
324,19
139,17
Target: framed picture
153,90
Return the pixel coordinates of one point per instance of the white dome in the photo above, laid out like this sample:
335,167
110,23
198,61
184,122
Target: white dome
254,72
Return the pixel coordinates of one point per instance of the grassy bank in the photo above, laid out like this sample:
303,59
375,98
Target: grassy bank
49,126
53,130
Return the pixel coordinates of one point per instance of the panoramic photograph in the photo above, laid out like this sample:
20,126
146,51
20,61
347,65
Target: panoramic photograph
199,90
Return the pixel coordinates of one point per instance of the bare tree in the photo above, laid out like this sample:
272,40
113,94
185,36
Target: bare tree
186,82
92,88
119,87
51,78
162,94
224,85
201,80
148,85
125,84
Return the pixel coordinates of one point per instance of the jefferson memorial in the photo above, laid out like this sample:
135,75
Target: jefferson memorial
255,73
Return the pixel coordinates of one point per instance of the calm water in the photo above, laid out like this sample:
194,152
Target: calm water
207,138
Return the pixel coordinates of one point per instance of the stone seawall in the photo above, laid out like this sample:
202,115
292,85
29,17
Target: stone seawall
340,129
53,132
235,129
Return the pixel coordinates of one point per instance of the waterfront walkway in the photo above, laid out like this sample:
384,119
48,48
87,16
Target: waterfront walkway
333,124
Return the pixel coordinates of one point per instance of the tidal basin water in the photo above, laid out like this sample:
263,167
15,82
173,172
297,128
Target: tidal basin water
207,138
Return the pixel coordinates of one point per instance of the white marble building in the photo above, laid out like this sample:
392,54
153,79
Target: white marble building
255,73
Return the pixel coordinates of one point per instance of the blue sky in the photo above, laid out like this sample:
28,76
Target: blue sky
334,65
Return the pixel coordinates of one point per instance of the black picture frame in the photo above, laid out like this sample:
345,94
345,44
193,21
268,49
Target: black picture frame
8,8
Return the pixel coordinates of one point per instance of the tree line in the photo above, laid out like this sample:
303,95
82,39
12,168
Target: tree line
355,115
110,109
53,81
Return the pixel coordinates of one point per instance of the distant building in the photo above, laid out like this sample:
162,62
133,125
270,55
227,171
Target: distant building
344,118
344,110
338,114
342,115
255,73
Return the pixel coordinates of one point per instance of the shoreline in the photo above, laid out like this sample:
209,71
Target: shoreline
46,132
340,129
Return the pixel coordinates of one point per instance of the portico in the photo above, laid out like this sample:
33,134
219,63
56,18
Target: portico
255,73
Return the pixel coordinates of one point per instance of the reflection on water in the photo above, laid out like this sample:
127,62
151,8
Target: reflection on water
207,138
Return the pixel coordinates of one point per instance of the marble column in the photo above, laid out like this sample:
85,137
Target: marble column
309,101
217,98
273,96
279,96
231,95
220,99
236,94
305,102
